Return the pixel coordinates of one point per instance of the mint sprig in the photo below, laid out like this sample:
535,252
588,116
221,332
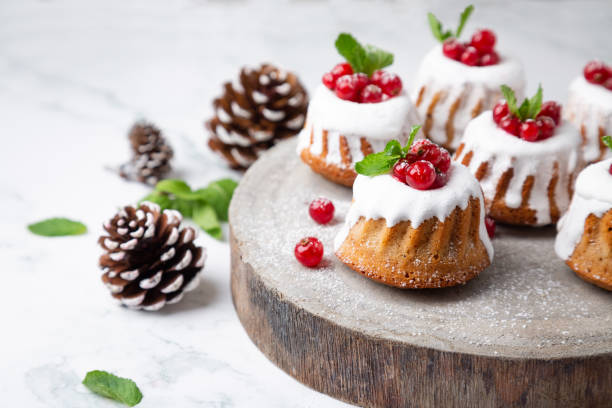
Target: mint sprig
440,34
57,227
607,140
110,386
382,162
366,59
528,109
207,206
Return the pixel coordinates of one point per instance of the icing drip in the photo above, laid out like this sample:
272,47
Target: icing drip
593,196
486,142
589,107
330,118
444,86
384,120
404,203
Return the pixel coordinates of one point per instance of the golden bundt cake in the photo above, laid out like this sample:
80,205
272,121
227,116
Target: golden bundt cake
355,112
410,238
457,80
526,178
589,108
584,240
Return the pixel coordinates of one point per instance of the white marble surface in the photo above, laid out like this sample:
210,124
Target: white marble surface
75,74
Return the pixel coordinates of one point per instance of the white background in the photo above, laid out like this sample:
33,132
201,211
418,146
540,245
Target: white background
75,74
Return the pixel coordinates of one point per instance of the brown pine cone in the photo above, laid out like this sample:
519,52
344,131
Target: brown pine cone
149,261
264,106
151,155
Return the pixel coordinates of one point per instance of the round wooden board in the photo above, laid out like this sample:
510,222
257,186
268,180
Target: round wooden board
526,332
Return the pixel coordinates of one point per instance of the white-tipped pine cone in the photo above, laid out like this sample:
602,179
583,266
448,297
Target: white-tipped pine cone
265,105
149,260
151,155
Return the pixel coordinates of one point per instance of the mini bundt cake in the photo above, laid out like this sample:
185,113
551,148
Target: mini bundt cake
589,108
457,81
420,225
354,113
526,162
584,240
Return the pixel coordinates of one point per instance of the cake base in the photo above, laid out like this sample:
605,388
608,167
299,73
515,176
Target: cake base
526,332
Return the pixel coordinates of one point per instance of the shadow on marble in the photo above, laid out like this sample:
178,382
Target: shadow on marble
204,295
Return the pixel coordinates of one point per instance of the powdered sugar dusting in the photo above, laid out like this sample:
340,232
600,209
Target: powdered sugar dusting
527,303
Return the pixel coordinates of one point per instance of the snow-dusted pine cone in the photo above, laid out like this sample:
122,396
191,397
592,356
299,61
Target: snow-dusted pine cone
151,155
149,260
265,105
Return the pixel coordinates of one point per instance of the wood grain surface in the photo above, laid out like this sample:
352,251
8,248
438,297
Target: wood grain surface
526,332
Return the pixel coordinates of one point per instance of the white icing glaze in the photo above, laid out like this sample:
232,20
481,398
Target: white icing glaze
503,151
376,122
404,203
454,80
383,120
590,107
593,195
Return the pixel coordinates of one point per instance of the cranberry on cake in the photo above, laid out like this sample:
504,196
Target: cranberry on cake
417,219
584,240
357,109
458,80
525,158
589,107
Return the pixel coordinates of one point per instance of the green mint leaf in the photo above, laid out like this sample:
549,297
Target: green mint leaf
206,218
173,186
510,98
523,110
217,198
535,104
393,148
352,51
376,59
465,15
227,184
110,386
375,164
57,227
436,28
413,132
607,140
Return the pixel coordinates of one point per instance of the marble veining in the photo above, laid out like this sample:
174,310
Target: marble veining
75,75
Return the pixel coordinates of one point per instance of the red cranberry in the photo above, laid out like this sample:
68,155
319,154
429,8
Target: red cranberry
361,80
421,175
551,109
470,56
440,181
346,88
390,83
510,124
371,94
483,41
400,169
344,68
546,125
595,72
610,169
420,145
453,49
321,210
376,76
445,161
429,152
490,58
490,224
309,251
499,111
529,130
329,81
608,84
